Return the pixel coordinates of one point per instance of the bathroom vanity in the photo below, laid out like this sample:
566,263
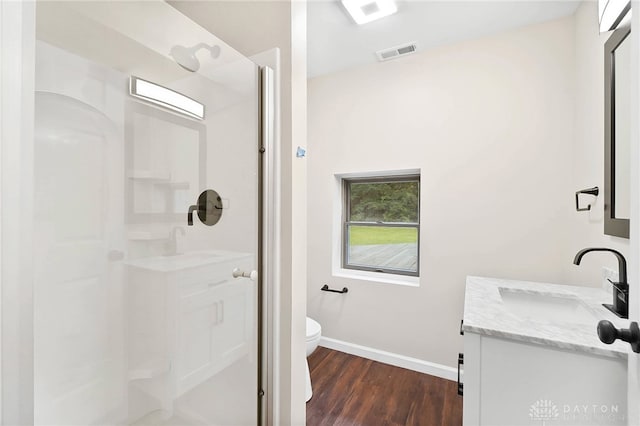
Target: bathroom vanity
190,319
532,356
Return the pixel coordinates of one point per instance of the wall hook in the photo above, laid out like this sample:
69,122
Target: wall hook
589,191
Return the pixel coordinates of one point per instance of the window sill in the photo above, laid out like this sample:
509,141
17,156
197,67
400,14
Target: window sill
377,277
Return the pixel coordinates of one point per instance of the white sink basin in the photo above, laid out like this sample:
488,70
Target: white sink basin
182,257
547,307
186,260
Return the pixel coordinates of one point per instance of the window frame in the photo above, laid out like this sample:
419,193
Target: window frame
346,223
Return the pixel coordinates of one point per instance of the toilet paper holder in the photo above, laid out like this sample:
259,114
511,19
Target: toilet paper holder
589,191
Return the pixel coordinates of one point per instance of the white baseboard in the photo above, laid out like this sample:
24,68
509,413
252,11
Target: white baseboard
390,358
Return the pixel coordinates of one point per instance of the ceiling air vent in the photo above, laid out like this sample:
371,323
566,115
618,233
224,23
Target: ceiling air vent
370,8
396,51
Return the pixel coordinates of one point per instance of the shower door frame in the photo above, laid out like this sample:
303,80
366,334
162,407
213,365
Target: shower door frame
269,243
17,88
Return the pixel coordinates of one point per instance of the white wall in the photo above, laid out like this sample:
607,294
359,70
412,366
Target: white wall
633,394
588,149
490,123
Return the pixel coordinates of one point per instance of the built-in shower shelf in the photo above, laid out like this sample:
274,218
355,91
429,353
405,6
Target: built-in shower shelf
158,178
150,369
150,175
174,185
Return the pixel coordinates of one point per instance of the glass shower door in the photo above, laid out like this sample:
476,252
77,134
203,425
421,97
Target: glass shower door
146,222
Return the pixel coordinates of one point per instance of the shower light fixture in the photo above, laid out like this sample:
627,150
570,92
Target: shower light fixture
613,14
167,98
363,11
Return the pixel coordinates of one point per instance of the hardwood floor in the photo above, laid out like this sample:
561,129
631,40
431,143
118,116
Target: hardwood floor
349,390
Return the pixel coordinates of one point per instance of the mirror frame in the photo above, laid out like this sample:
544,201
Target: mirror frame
612,226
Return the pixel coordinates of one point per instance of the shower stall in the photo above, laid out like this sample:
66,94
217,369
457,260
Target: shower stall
142,185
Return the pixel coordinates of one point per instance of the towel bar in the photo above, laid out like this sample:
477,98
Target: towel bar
326,288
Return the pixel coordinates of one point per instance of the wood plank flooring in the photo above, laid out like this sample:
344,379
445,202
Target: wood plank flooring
349,390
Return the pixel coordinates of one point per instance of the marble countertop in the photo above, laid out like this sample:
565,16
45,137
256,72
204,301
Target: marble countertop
489,310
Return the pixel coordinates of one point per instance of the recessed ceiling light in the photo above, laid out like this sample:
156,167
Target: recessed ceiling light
363,11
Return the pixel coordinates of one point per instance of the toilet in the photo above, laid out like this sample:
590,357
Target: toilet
314,332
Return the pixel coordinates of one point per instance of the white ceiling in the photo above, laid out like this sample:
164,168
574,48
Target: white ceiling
335,42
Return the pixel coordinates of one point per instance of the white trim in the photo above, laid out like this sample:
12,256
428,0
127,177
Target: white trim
633,365
377,277
415,364
379,173
3,73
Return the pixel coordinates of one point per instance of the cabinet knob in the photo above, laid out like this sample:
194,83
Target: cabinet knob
608,333
252,275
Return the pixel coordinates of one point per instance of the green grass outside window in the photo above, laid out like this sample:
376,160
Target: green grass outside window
368,235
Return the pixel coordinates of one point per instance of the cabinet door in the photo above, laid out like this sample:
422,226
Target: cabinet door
471,379
525,384
214,331
201,314
230,340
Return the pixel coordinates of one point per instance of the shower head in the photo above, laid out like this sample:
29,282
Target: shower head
186,56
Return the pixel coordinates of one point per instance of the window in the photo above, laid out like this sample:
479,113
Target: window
381,224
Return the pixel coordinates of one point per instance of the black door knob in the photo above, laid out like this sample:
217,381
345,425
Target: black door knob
608,333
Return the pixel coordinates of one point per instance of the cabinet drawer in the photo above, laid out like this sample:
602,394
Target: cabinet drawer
200,279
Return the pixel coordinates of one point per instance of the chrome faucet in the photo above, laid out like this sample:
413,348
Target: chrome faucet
620,305
171,247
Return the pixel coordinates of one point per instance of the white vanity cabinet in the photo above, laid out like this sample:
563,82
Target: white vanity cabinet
212,330
511,383
532,356
189,321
